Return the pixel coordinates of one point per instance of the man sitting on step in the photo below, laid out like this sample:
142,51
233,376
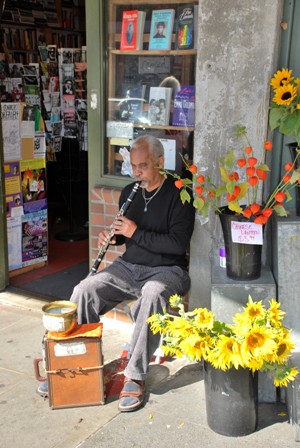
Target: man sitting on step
156,231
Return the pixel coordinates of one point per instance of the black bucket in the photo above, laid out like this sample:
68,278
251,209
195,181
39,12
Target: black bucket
243,261
231,400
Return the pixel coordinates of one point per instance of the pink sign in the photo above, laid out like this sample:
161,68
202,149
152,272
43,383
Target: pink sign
246,233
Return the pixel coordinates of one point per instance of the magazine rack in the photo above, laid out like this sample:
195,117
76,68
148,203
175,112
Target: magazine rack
131,75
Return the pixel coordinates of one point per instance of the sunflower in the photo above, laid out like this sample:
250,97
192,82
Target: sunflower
259,342
255,364
170,349
275,314
285,346
226,354
284,375
285,94
180,328
281,78
203,318
195,348
253,310
158,323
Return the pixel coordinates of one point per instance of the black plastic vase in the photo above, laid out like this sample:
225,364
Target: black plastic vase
231,400
293,150
243,261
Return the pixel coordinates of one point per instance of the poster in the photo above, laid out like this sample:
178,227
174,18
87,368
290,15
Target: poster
10,114
39,145
13,196
34,238
33,185
14,243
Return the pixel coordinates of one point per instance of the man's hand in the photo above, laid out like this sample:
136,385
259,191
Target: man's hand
124,226
103,238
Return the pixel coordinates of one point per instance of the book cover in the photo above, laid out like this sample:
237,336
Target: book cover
161,29
132,30
185,28
159,105
184,107
130,108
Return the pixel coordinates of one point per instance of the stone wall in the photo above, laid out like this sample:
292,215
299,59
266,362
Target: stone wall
237,55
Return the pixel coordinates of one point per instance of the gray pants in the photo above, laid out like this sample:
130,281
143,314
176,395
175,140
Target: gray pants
151,287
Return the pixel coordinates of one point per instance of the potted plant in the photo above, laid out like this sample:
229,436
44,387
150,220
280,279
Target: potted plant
236,199
232,354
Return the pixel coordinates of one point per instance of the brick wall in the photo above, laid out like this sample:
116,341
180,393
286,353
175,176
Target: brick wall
104,207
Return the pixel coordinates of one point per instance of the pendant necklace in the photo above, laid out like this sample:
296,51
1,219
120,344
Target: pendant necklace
147,200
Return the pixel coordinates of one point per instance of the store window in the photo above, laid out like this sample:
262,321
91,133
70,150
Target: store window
150,88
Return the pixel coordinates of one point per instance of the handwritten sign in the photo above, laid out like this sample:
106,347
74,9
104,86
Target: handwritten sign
154,65
119,129
246,233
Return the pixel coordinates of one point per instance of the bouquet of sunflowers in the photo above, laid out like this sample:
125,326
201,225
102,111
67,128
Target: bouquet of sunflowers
257,339
285,108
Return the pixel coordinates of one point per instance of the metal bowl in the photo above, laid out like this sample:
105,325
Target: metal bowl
60,317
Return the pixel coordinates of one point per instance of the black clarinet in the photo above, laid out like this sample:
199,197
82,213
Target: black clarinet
105,246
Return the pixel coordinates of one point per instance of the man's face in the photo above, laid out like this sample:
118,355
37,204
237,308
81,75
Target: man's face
160,29
144,167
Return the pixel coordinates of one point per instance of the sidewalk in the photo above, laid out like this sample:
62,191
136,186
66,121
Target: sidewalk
174,413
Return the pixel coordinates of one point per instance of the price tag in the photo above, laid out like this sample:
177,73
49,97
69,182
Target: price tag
70,349
246,233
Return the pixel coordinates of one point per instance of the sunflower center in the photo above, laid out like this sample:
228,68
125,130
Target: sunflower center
256,340
283,81
281,349
286,96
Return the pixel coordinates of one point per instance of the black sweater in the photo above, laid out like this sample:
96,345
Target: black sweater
163,232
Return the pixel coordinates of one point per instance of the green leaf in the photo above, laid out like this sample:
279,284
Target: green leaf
220,191
244,186
276,115
240,130
235,207
229,159
224,174
288,124
264,167
230,186
294,177
288,196
205,209
185,196
198,204
280,210
186,181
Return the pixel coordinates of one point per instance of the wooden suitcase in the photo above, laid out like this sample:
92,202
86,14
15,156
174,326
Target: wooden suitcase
74,369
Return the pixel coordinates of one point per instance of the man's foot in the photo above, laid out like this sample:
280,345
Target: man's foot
42,390
132,395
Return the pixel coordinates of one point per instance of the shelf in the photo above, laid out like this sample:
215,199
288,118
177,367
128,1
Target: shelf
192,52
133,73
158,3
167,128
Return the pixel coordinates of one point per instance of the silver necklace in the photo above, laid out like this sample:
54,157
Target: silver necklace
147,200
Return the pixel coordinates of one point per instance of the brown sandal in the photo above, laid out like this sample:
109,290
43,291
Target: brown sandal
132,395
